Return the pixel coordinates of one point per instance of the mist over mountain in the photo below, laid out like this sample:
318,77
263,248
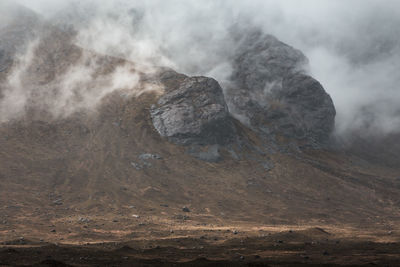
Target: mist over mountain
136,133
356,40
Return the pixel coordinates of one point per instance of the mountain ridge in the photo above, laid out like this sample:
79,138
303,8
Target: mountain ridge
113,171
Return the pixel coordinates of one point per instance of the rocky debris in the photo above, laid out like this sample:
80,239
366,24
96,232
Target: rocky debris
268,165
148,156
83,220
185,209
136,166
271,92
205,153
58,202
194,112
181,217
144,160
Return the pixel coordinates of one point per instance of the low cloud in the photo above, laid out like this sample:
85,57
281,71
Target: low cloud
353,46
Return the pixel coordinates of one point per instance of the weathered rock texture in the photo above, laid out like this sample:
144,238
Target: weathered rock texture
193,112
272,93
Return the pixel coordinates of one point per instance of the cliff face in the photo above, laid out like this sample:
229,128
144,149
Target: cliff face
194,113
272,92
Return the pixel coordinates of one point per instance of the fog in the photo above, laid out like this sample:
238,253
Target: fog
353,46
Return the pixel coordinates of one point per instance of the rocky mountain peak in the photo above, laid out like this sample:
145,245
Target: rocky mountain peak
272,93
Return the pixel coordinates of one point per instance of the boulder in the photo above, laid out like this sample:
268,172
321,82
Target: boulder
193,112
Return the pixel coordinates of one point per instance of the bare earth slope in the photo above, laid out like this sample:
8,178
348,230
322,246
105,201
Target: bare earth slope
82,179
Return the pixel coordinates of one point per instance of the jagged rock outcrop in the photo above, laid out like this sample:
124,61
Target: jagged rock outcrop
272,93
193,112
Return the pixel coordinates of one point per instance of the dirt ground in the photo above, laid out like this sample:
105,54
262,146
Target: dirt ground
148,242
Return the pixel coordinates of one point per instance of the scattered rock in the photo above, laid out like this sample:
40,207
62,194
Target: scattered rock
136,166
146,164
268,165
135,216
148,156
181,217
185,209
83,220
144,161
58,202
53,231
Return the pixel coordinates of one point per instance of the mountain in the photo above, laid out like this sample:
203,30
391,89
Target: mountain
166,156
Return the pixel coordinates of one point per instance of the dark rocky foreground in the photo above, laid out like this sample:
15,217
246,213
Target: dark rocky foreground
311,247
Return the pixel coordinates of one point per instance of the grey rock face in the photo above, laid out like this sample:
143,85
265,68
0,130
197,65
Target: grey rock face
5,60
272,93
194,112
